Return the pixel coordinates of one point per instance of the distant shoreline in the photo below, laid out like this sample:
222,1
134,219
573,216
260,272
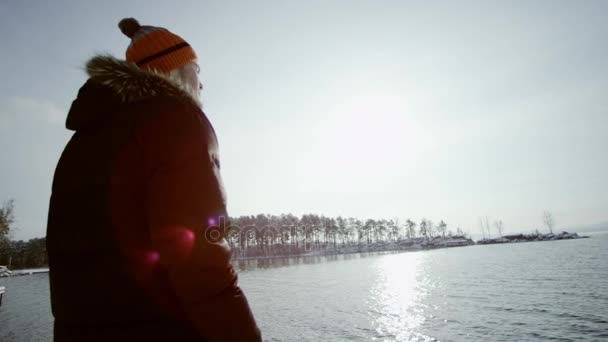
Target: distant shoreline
516,238
320,250
416,244
328,250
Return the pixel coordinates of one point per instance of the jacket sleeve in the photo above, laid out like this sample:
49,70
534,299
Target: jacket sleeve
184,193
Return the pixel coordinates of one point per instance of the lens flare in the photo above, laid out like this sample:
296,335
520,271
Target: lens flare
152,257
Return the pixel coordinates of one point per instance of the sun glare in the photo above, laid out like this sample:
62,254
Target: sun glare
373,131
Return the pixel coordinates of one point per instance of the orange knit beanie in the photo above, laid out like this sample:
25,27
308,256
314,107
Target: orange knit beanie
155,48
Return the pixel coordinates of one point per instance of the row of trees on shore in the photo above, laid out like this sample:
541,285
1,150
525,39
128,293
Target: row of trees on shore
19,254
319,229
24,254
286,234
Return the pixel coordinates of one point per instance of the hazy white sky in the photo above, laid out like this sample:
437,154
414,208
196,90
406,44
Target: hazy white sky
374,109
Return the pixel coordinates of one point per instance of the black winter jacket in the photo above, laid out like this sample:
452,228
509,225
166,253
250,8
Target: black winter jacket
134,191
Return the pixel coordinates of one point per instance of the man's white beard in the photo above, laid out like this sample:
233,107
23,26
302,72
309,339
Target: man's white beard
184,84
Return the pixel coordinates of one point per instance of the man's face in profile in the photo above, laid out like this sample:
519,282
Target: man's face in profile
191,72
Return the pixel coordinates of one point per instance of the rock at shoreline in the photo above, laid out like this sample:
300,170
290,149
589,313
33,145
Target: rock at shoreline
5,272
530,237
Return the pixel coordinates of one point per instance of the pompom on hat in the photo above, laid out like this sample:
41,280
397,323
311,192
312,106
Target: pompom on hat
155,48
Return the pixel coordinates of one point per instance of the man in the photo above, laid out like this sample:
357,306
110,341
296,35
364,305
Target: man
134,195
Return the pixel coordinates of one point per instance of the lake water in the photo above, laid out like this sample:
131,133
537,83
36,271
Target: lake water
536,291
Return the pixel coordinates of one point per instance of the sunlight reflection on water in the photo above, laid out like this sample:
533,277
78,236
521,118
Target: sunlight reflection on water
396,297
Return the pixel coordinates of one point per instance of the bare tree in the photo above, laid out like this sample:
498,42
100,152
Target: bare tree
459,232
499,227
423,229
441,228
549,221
7,218
395,229
487,225
411,228
430,227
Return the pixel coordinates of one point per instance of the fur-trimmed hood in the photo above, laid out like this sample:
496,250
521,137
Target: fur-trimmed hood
130,83
113,82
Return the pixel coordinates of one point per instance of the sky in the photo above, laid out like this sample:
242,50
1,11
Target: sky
445,110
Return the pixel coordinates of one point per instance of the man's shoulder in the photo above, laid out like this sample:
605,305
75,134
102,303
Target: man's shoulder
167,110
167,104
170,115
